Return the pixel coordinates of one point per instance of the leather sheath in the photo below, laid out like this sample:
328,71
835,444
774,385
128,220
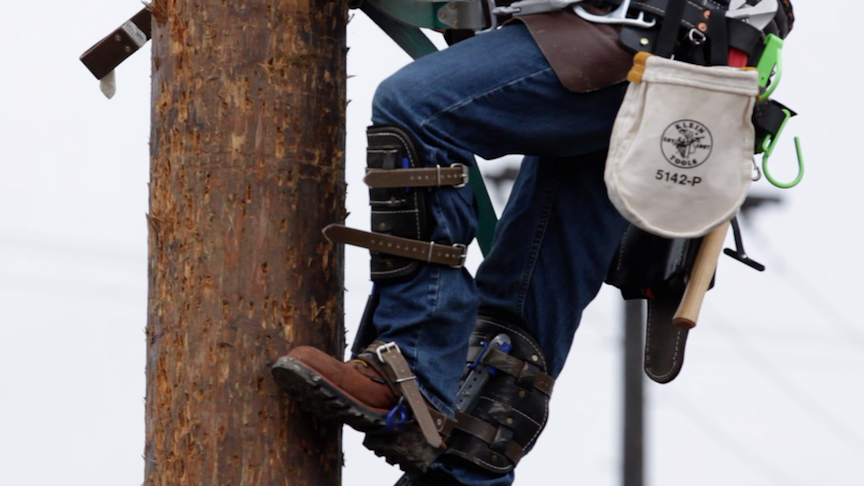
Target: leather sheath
585,56
664,341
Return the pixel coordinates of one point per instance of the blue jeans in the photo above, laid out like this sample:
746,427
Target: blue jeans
492,95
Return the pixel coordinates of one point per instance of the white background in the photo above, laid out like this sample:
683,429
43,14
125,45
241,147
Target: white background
771,392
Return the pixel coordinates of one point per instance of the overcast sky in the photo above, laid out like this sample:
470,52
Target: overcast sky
771,391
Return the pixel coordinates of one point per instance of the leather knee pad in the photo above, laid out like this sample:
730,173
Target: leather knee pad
398,211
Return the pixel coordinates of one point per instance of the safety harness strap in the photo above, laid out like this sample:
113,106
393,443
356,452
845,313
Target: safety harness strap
452,255
673,15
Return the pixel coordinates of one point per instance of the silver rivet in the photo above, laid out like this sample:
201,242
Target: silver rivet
509,421
534,357
644,41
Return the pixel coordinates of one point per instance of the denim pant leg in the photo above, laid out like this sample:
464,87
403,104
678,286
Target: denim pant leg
491,95
552,249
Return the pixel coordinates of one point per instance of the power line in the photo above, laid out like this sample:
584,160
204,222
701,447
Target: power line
726,441
811,294
101,250
798,396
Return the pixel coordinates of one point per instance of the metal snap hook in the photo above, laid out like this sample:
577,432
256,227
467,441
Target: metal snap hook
617,16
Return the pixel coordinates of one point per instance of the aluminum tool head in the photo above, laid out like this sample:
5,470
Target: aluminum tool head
759,15
618,16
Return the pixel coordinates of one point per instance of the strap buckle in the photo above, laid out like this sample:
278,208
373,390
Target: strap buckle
465,178
463,249
384,348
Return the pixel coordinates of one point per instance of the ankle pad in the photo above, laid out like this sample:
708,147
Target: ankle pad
494,429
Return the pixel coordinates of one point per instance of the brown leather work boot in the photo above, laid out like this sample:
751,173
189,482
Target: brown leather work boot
362,393
354,393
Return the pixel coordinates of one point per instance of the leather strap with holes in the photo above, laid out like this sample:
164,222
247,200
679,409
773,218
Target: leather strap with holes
452,255
512,366
487,433
401,374
455,175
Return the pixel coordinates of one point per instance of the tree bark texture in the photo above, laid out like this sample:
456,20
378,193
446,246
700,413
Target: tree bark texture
247,166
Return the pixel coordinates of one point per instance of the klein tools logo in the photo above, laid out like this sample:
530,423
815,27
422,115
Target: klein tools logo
686,144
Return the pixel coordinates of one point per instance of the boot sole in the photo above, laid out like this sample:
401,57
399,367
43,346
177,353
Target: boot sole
314,394
408,449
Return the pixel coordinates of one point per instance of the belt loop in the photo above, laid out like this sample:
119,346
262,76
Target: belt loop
431,246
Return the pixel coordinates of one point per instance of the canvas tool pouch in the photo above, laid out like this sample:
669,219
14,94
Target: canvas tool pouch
681,152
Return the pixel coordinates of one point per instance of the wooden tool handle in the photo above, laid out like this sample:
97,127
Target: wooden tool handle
700,277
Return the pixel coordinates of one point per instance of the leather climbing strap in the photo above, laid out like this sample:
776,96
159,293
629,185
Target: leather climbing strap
515,367
496,437
456,175
404,379
431,252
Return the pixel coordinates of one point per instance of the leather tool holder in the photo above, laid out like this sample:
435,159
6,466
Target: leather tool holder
654,268
648,266
400,211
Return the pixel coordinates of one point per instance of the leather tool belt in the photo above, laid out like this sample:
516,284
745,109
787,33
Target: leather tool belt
698,31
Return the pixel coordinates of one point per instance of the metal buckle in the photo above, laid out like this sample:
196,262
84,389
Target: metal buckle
493,20
464,250
387,347
465,175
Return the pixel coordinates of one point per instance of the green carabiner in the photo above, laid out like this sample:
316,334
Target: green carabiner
770,63
771,143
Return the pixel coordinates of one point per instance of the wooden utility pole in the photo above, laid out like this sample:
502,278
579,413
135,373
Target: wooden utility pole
634,404
247,166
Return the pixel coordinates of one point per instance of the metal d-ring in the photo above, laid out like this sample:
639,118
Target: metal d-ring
617,16
697,37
